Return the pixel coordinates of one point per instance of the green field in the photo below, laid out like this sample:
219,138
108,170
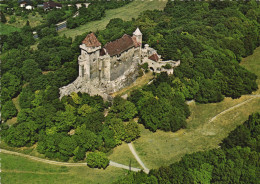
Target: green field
127,12
160,148
6,29
122,154
21,21
21,170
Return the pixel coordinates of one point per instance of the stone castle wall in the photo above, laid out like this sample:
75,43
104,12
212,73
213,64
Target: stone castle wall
104,75
120,64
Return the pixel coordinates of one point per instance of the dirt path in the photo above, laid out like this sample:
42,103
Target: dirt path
131,147
123,166
231,108
111,163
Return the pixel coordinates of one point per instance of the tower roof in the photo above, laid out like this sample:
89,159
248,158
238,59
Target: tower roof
91,41
137,32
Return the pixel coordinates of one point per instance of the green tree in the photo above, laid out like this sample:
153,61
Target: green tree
12,83
2,17
86,139
30,70
118,127
97,160
8,110
132,131
20,135
79,154
67,145
123,109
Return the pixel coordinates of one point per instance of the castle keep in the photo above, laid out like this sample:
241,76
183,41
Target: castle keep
105,70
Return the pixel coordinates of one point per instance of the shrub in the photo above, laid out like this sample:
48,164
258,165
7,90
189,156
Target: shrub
8,110
97,160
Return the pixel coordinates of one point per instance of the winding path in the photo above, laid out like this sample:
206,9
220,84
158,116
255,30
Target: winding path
131,147
235,106
111,163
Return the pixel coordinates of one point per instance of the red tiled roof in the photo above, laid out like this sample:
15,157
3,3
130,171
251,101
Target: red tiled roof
91,41
154,57
120,45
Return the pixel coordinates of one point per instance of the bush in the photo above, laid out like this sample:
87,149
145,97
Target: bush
97,160
12,20
131,131
8,110
167,66
145,67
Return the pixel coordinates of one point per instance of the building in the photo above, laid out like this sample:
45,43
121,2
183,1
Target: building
105,70
24,3
28,7
79,5
51,5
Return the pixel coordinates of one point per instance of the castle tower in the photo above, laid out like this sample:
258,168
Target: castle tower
138,36
88,60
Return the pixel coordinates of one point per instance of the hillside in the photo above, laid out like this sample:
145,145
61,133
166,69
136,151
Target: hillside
127,12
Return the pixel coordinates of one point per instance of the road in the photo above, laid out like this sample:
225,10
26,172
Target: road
111,163
131,147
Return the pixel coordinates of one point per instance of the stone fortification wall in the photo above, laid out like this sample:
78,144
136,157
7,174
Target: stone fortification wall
127,77
120,64
80,85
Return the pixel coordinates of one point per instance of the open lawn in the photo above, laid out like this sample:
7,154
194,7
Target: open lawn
21,21
21,170
6,29
16,103
162,148
122,154
127,12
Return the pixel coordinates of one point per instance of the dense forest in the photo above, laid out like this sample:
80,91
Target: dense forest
209,38
237,161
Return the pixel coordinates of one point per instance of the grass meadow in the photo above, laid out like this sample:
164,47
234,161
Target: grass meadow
127,12
21,170
21,21
122,154
162,148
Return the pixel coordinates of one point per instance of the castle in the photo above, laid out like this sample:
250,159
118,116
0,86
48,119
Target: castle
105,70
